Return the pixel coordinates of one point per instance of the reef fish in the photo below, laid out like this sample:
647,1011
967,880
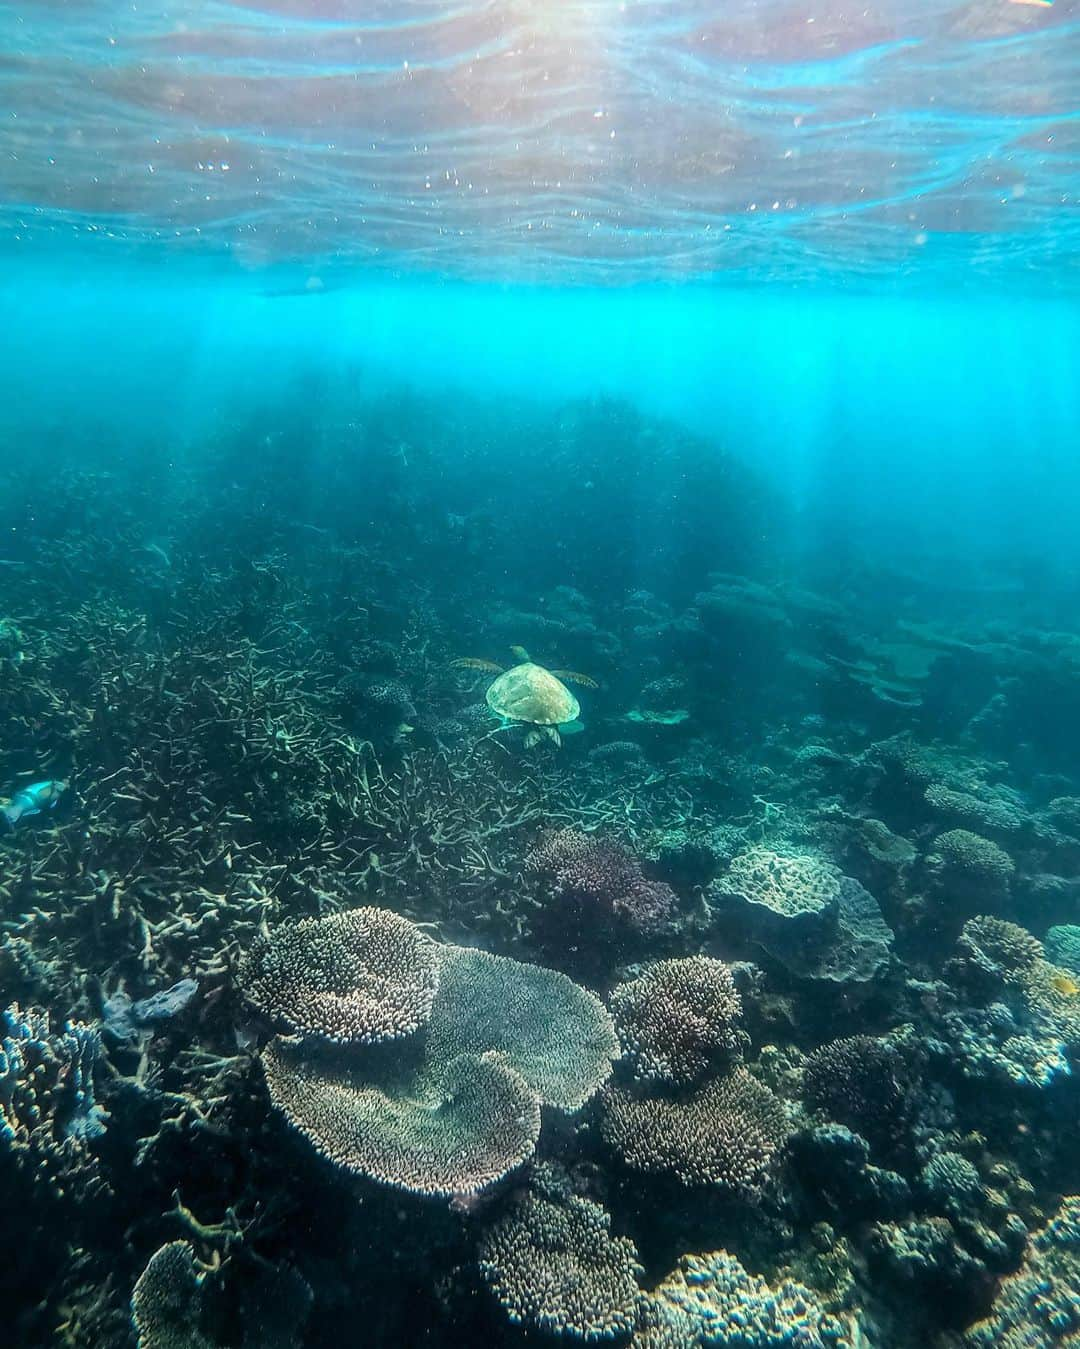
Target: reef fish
33,799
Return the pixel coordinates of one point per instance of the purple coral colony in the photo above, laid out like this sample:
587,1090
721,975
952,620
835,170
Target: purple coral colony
343,1009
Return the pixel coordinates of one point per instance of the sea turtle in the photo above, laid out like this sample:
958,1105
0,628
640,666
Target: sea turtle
529,694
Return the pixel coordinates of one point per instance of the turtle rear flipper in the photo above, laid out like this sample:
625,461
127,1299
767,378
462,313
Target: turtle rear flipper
539,733
586,681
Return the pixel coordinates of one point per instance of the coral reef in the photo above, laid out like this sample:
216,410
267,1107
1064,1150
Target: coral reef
1039,1306
553,1263
297,969
712,1300
727,1133
678,1019
1018,1020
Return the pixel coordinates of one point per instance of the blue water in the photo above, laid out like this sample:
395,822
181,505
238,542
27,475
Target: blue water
940,425
842,242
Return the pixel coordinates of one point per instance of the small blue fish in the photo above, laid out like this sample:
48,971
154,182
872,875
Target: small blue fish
32,800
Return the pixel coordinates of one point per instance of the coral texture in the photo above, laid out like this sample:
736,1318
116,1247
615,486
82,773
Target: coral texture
678,1019
711,1300
553,1263
601,880
357,977
727,1133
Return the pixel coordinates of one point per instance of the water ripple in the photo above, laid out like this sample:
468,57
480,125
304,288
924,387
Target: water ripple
583,140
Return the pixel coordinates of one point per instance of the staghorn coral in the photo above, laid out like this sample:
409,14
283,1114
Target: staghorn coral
448,1128
552,1263
356,977
859,1081
727,1133
711,1300
678,1019
598,881
166,1302
1039,1306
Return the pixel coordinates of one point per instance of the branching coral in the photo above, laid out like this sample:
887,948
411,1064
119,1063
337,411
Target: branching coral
678,1019
727,1133
599,881
357,977
49,1111
553,1263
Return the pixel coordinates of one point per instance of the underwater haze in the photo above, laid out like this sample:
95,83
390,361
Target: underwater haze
540,674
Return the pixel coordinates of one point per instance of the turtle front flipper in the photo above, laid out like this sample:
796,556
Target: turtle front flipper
572,676
471,663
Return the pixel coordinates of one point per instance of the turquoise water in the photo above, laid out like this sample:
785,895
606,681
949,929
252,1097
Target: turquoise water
948,421
843,242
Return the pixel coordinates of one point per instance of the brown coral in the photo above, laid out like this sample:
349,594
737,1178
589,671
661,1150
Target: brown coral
727,1133
553,1263
678,1018
357,977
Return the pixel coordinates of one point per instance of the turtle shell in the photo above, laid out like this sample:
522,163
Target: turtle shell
530,693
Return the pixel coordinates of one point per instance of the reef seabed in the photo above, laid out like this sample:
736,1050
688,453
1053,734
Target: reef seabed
339,1011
